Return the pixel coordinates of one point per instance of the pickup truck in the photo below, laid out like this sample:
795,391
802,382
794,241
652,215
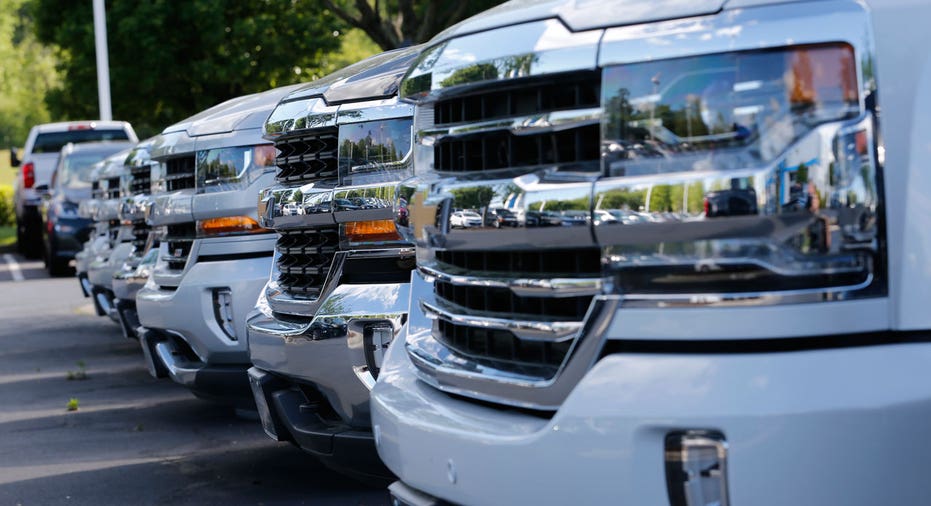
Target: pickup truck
338,290
213,257
772,353
37,164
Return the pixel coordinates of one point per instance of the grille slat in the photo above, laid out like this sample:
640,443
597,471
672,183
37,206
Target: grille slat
180,173
304,260
113,188
307,157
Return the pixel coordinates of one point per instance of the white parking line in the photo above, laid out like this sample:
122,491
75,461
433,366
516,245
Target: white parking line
14,267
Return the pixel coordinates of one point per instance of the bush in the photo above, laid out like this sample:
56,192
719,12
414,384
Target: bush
7,213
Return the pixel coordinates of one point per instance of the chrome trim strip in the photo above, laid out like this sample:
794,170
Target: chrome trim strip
525,287
519,125
468,378
524,329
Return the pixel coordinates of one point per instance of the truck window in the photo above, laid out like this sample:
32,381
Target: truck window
52,142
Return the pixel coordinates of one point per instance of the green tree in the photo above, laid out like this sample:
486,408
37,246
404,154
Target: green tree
27,72
473,197
169,60
396,23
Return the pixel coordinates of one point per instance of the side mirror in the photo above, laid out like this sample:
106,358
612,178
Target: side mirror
14,158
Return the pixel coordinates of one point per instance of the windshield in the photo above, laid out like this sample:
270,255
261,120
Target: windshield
75,170
52,142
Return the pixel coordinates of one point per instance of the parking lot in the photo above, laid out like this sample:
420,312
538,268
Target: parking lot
132,439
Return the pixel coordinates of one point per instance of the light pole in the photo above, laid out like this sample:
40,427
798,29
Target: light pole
103,61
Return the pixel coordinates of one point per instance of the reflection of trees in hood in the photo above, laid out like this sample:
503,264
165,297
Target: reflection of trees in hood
366,149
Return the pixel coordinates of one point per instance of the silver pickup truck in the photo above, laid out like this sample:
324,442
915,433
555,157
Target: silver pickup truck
338,290
213,258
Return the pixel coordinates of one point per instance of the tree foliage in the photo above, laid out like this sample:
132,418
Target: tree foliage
27,71
169,59
398,23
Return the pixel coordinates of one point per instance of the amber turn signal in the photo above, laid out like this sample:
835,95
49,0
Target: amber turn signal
371,231
228,225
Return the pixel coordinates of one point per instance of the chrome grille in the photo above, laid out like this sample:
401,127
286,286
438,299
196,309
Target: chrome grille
179,173
304,260
472,289
496,147
179,239
308,156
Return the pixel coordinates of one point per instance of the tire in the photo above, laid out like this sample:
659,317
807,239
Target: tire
57,267
29,238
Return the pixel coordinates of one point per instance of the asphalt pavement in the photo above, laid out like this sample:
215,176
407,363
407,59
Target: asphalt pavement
132,439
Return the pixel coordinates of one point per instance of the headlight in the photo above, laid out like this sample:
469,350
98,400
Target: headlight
226,169
373,156
753,172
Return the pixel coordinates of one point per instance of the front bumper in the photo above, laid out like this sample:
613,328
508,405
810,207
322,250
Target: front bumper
287,415
188,316
100,270
841,426
335,354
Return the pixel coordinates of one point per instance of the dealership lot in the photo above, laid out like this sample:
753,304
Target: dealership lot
133,439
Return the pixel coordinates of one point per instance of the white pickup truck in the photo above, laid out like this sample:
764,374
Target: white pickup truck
43,144
758,336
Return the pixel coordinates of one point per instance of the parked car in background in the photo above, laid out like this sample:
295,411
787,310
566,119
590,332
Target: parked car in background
64,232
465,219
767,353
499,217
37,163
213,257
338,290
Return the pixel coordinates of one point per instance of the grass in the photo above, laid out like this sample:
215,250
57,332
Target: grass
80,374
7,237
72,404
7,174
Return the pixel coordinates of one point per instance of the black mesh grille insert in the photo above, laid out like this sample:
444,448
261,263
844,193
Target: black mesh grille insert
140,235
141,179
309,156
503,300
304,261
559,93
179,239
113,188
179,173
501,346
543,262
574,149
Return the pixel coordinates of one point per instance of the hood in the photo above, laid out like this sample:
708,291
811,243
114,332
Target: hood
247,111
581,15
372,78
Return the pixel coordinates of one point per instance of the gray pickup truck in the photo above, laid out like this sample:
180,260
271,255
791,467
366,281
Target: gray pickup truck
338,290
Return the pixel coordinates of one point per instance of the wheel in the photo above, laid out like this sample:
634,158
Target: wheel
29,238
